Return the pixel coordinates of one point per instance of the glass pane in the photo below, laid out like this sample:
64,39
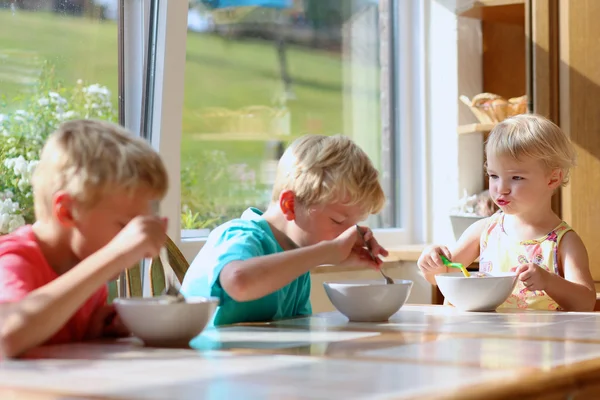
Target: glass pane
261,73
58,61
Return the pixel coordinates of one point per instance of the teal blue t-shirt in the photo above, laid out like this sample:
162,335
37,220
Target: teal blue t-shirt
240,239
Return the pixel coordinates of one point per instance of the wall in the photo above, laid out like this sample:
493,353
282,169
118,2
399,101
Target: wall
455,163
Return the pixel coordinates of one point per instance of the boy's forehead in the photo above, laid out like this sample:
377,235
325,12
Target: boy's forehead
129,201
345,210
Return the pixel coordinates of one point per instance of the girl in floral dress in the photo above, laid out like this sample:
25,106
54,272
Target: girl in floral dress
528,159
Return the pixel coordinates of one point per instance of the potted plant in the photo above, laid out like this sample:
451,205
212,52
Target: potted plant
471,208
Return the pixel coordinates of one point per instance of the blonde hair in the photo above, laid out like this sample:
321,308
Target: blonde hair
88,158
329,169
533,136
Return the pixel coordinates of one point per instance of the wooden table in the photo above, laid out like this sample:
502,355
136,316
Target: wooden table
423,352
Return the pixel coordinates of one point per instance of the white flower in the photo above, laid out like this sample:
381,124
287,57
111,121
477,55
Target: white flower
19,165
43,101
21,115
7,194
57,98
4,222
9,207
23,184
15,223
97,89
23,169
31,167
10,221
63,116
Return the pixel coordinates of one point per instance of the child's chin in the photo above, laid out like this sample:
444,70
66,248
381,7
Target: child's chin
508,210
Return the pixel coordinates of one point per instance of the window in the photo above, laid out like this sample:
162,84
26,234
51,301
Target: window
240,83
256,78
58,61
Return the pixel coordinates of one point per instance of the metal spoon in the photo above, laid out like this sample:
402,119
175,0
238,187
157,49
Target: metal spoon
388,280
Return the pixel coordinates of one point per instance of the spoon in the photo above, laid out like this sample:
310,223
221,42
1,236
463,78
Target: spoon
455,265
388,280
171,293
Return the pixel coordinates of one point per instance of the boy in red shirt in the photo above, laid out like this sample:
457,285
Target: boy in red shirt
92,192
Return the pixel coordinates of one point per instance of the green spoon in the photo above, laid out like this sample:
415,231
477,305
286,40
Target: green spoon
455,265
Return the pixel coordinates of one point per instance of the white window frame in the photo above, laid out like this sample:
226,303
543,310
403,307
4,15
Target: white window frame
167,101
132,25
408,104
408,139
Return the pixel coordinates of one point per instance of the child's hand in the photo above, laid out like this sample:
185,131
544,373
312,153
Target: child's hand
105,322
532,276
351,250
430,260
141,238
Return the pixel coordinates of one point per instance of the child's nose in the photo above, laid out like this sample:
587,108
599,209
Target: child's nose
504,188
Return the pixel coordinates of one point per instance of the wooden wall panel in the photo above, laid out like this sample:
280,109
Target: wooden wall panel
542,30
579,76
504,58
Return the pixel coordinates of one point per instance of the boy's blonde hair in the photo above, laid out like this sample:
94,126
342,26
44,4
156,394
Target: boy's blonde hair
533,136
89,158
329,169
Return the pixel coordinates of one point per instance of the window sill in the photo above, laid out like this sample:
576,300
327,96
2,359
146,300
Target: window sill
409,252
398,255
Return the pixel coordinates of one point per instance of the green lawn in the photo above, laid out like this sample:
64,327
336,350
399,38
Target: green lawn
218,73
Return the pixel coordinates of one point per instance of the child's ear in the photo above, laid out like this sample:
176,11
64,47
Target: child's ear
287,204
62,208
556,178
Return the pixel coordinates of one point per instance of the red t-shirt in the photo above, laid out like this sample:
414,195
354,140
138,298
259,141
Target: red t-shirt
23,268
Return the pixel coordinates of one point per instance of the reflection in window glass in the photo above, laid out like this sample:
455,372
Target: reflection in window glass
259,77
58,61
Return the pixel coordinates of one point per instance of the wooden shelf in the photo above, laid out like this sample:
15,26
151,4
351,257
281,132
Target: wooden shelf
474,128
501,11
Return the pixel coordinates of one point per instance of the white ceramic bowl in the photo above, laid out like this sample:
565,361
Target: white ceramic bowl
368,301
476,294
161,323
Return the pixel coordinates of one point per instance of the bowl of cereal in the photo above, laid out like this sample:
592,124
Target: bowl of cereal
479,292
368,300
161,322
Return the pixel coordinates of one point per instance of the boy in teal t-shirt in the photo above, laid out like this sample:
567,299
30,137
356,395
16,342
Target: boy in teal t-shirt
258,265
241,239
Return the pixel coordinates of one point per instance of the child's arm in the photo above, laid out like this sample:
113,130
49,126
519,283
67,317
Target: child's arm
33,320
36,318
465,251
574,292
256,277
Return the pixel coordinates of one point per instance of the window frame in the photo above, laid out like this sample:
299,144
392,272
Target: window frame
166,93
405,145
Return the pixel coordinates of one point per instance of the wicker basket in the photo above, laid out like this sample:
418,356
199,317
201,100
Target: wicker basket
496,109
